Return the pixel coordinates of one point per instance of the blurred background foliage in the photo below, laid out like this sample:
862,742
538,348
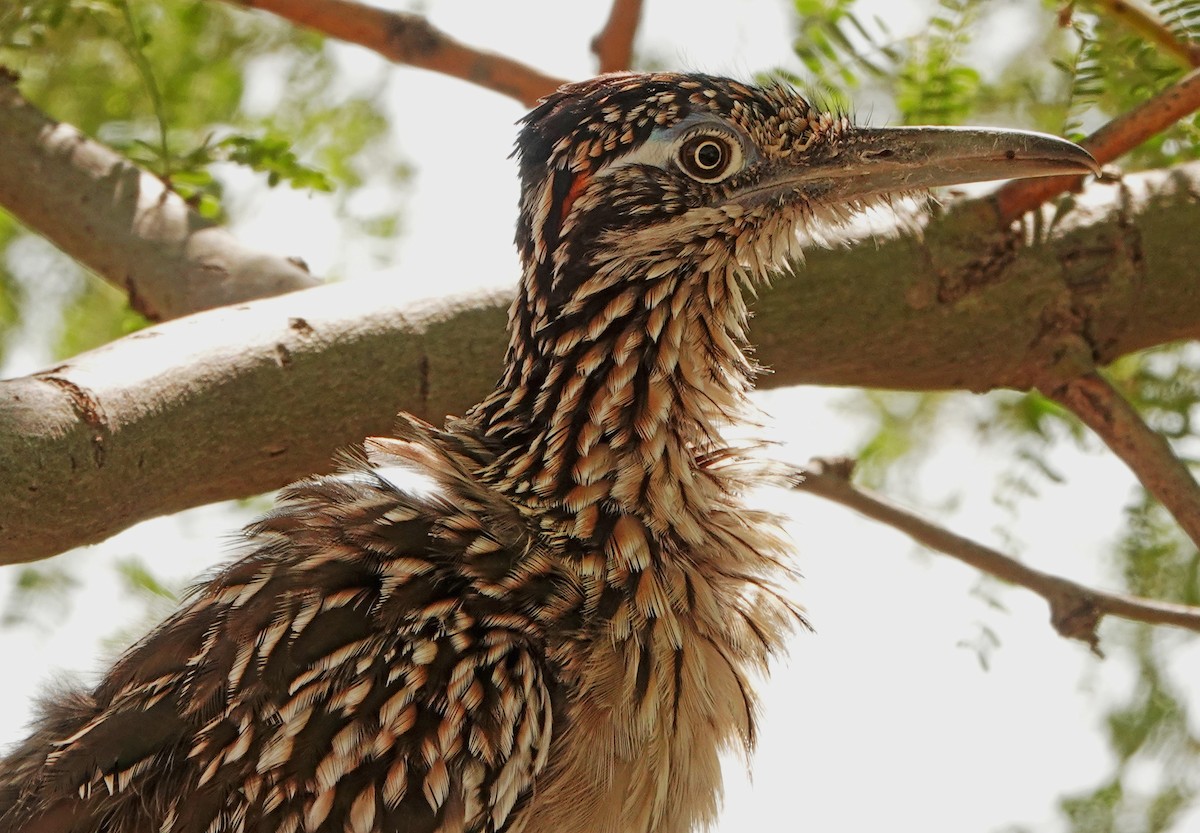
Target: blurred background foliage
172,84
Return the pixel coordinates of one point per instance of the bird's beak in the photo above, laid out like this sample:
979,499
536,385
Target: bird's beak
886,160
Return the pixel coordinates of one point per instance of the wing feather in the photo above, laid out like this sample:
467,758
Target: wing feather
353,671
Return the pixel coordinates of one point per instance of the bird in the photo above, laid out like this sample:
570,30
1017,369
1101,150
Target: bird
549,613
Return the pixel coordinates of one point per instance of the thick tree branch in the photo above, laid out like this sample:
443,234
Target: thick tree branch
411,39
123,223
1147,453
1075,610
613,46
1114,139
222,404
235,401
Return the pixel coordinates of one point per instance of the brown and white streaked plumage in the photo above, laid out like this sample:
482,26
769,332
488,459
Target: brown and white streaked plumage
542,617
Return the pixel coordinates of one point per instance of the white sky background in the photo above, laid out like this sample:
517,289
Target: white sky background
879,721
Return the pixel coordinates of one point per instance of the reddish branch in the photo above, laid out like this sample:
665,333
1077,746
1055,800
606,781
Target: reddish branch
1075,610
411,39
1145,24
1145,451
613,46
123,223
1120,135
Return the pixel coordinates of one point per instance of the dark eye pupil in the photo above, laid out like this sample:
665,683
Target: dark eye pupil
708,155
707,158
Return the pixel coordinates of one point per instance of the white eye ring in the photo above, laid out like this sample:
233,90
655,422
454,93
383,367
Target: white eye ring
709,157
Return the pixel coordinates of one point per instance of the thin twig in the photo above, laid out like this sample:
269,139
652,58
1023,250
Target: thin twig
411,39
1144,450
1143,22
1075,610
613,45
1123,133
133,47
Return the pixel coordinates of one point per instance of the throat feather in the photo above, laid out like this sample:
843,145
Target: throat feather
623,398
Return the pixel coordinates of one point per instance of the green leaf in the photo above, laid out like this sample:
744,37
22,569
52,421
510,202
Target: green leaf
274,156
139,580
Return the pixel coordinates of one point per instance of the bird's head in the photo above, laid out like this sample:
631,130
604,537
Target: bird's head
624,173
647,200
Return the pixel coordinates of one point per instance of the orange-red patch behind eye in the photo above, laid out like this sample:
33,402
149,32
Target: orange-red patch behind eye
580,182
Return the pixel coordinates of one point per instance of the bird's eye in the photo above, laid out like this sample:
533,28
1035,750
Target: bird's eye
708,157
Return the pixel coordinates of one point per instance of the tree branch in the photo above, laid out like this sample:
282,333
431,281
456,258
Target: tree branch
411,39
1114,139
1075,610
123,223
1141,21
1147,453
613,45
226,403
240,400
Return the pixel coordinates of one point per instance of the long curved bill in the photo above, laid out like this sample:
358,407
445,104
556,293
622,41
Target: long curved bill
871,161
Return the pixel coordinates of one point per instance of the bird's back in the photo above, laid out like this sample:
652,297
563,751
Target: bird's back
404,647
363,662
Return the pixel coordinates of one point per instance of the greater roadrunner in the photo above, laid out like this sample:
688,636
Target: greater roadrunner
543,616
